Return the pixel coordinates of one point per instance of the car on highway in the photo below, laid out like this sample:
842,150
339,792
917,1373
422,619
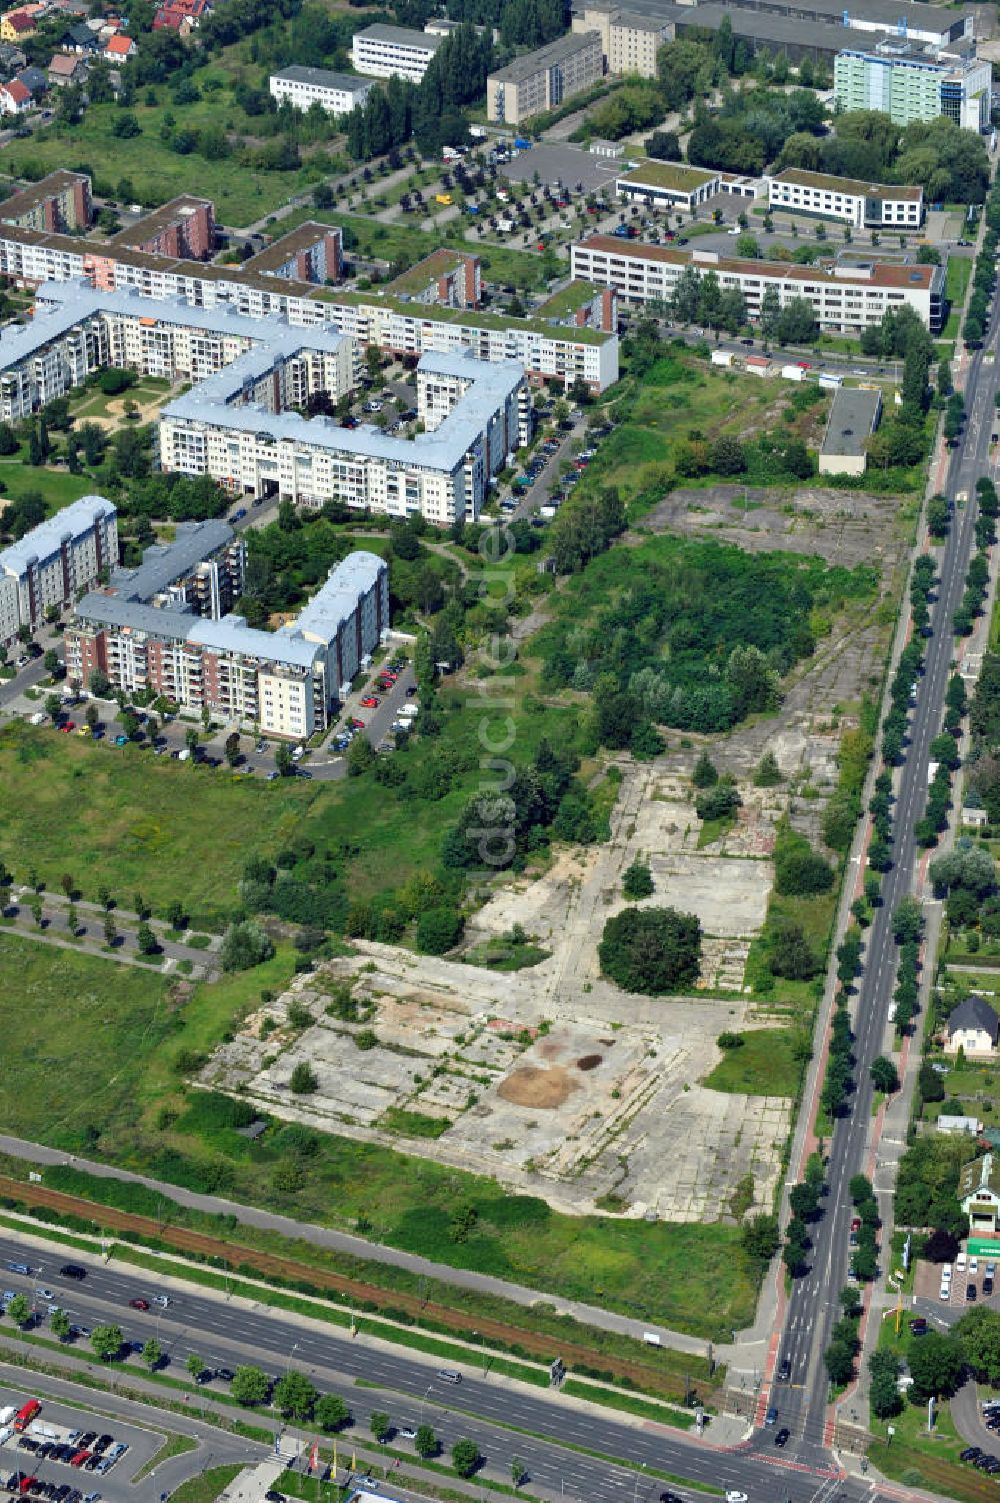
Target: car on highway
771,1417
138,1304
785,1370
733,1495
782,1436
671,1498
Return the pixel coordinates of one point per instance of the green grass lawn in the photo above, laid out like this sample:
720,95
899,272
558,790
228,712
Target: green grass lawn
56,487
929,1461
768,1064
118,816
59,1008
206,1486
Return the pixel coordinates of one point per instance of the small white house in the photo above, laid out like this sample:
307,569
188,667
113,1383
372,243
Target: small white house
979,1194
973,1027
953,1125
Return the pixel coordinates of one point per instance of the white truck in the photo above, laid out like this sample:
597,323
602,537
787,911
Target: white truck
408,712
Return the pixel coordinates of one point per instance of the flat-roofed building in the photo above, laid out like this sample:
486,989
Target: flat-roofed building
284,683
54,562
854,416
863,205
541,80
843,298
60,201
668,185
302,87
182,228
908,81
311,253
382,51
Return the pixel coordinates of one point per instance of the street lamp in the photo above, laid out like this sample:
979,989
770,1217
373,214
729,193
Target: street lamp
635,1490
288,1359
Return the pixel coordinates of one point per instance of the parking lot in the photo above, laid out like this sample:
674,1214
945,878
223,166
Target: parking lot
67,1456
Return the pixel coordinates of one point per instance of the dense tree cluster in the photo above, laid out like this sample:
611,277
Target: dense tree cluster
750,128
925,1187
430,110
948,162
651,950
692,634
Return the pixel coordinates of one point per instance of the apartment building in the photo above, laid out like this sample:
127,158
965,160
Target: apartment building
845,299
476,416
312,253
382,51
283,683
337,93
909,81
54,562
183,229
202,570
58,202
263,288
629,39
863,205
541,80
445,279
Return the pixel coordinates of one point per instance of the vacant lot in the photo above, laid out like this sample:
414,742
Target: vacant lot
61,1012
115,816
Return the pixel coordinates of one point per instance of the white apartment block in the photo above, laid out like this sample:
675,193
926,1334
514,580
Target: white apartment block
546,350
843,298
302,87
383,51
909,81
862,205
477,416
541,80
283,683
241,420
54,562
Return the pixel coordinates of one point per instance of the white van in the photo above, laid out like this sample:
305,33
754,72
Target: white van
960,1263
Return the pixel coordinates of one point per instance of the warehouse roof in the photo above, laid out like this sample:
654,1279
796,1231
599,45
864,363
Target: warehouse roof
887,13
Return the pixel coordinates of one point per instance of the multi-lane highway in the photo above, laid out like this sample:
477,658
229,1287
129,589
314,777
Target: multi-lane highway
548,1432
814,1303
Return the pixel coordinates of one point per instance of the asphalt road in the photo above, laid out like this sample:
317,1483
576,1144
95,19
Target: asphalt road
487,1410
814,1303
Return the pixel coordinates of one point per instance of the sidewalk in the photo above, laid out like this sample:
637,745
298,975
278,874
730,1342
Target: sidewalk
346,1242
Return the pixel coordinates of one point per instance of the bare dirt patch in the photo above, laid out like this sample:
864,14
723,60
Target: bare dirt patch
842,527
538,1088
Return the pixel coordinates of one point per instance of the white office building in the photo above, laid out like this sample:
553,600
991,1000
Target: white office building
382,51
862,205
843,298
337,93
54,562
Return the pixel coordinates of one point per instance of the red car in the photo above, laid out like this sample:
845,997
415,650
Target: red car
358,725
370,702
138,1304
79,1458
26,1484
68,725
